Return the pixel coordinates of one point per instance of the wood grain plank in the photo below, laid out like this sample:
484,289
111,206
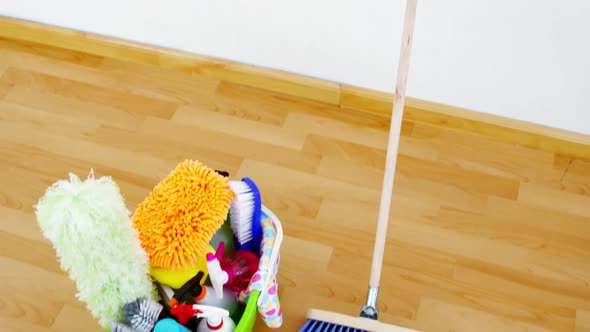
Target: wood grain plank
512,310
241,146
311,256
525,288
250,103
509,231
34,253
344,151
539,218
345,131
429,192
582,321
575,177
69,109
83,320
333,168
21,224
240,127
49,121
557,200
416,258
134,162
164,148
20,280
362,216
20,325
461,245
265,174
497,303
292,202
486,184
435,315
124,101
5,85
483,154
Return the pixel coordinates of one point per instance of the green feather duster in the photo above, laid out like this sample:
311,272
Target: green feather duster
89,226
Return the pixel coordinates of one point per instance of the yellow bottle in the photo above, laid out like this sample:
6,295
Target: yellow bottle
177,278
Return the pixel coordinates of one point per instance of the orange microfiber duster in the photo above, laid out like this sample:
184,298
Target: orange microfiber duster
179,217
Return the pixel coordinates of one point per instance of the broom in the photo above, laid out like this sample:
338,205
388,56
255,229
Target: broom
319,320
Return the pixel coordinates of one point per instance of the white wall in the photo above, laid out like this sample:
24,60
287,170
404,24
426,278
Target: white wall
523,59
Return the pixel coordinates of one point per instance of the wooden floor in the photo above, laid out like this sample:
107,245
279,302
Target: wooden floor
485,236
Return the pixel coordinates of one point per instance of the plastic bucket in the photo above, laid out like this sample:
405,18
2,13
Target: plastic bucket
248,317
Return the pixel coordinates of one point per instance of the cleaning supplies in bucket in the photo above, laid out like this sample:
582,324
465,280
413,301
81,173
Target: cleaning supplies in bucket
89,226
166,242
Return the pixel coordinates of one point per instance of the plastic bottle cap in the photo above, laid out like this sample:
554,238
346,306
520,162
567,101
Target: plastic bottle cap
212,258
214,321
217,275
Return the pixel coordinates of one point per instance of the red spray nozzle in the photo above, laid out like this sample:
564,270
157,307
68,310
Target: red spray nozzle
184,312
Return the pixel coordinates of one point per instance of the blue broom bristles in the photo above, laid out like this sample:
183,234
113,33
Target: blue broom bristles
313,325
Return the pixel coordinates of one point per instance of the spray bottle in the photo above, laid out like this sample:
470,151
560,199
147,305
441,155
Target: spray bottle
234,270
200,294
215,319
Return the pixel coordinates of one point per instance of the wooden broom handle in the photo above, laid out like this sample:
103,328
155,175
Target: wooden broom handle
399,98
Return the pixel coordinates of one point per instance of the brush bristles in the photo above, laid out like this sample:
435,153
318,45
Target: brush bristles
242,211
142,314
321,320
120,327
320,326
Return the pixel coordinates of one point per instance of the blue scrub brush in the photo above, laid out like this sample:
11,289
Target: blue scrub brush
245,213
